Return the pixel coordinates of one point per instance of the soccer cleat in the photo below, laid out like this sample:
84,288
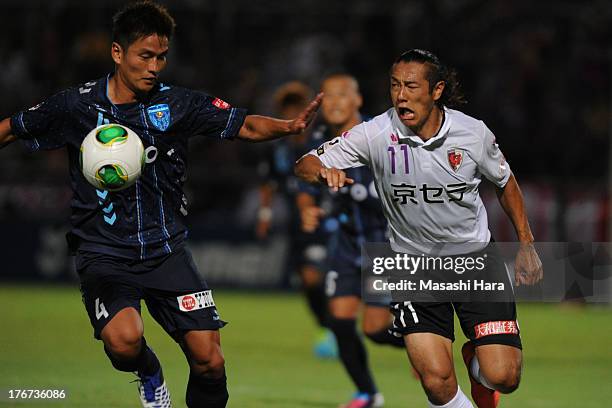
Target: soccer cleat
483,397
378,401
365,400
153,391
326,346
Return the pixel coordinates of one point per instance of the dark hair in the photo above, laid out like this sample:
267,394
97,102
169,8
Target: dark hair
436,72
293,93
141,19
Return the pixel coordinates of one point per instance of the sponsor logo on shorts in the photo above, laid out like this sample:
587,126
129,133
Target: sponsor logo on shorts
195,301
499,327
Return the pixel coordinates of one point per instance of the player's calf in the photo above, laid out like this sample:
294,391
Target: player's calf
207,386
353,354
203,351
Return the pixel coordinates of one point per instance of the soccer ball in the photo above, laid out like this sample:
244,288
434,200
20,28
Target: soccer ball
112,157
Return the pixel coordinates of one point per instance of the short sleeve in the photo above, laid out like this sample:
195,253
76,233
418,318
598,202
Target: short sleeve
346,151
492,163
211,117
43,127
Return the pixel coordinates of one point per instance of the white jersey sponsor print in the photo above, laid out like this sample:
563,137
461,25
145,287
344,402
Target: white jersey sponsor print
428,190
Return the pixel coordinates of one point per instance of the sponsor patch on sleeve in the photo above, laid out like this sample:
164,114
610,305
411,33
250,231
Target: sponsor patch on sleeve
221,104
320,150
195,301
498,327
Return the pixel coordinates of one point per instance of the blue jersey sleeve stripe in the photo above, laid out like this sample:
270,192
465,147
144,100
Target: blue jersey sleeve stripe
234,123
19,129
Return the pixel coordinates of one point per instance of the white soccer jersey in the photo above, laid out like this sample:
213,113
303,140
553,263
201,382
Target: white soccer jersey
428,190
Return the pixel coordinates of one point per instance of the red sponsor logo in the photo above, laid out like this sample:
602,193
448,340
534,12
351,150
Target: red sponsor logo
394,138
499,327
455,158
188,302
221,104
345,134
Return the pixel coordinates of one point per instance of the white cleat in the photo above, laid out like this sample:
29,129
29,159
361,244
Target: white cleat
378,401
153,391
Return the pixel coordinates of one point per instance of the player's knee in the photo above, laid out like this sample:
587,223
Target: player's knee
311,277
210,364
377,336
373,328
440,385
123,343
505,380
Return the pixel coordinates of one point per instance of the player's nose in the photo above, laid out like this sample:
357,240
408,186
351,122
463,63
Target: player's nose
154,67
401,95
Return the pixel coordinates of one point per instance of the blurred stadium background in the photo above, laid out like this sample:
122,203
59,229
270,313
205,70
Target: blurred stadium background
538,73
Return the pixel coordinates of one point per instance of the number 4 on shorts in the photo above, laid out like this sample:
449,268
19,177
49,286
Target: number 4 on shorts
100,310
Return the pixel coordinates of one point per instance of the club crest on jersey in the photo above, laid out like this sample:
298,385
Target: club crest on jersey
159,115
455,158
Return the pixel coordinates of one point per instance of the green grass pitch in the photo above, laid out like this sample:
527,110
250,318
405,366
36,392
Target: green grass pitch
46,342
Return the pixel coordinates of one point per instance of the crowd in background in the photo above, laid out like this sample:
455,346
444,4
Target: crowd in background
538,73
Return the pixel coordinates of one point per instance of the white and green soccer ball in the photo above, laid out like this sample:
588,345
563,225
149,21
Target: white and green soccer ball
112,157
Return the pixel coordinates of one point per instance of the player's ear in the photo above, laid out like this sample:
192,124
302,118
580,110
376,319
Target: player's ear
438,89
116,52
359,101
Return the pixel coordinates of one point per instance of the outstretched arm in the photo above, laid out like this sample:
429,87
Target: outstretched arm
310,169
6,136
261,128
528,267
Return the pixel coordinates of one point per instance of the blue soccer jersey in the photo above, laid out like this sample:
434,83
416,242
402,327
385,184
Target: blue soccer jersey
146,220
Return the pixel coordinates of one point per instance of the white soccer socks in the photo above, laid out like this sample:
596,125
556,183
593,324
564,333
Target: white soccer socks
458,401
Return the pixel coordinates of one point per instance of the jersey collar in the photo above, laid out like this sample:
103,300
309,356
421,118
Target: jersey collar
145,101
404,132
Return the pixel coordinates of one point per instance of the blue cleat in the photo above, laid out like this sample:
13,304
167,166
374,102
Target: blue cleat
326,345
153,391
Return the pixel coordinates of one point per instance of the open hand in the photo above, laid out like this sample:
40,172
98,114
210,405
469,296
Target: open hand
297,125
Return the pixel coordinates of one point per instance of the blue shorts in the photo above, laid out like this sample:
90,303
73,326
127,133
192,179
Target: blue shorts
343,276
175,295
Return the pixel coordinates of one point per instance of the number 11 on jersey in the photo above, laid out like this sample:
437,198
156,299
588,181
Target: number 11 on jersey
404,149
